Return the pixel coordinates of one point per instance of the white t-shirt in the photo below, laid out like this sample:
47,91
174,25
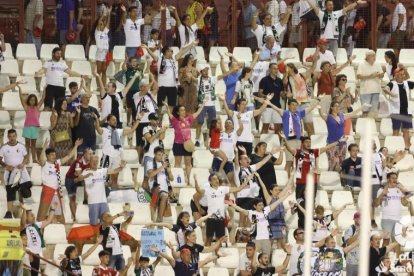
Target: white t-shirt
191,34
95,185
154,144
169,77
252,189
262,31
107,147
54,73
297,249
116,245
13,155
147,104
215,200
207,88
227,143
246,119
259,72
102,39
332,26
391,204
203,199
49,175
371,85
161,176
376,168
244,263
34,241
133,32
262,224
245,90
399,9
327,56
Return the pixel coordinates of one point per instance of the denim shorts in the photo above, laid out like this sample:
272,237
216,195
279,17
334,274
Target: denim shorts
209,111
117,262
95,212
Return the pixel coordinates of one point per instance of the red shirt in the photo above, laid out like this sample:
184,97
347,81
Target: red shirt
326,84
78,163
104,271
215,134
304,162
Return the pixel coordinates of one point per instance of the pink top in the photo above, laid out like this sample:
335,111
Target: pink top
182,130
32,117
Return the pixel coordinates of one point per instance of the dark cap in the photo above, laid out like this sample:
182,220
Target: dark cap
153,116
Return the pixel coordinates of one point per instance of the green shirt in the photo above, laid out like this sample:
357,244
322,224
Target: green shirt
129,74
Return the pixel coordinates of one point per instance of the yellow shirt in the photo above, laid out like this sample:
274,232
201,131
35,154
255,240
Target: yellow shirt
191,11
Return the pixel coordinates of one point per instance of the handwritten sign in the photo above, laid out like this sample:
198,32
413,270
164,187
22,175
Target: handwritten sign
152,238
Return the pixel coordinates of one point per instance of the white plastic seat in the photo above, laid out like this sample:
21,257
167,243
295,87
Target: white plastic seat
292,54
200,54
340,198
359,56
214,57
394,143
361,126
386,126
11,101
142,213
169,139
185,196
75,52
179,178
329,178
319,125
322,199
278,256
349,71
406,163
220,86
406,57
4,119
202,159
202,175
19,118
231,258
10,67
164,270
323,164
53,270
281,177
43,135
82,67
110,70
271,139
59,249
29,87
26,51
94,102
46,51
31,66
380,56
135,230
8,54
131,157
406,179
54,234
346,218
118,53
45,120
306,53
93,259
318,140
214,271
243,54
82,213
362,141
35,175
341,57
86,270
125,177
92,53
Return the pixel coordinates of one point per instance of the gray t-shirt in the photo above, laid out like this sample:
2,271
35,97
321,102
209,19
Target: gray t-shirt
353,256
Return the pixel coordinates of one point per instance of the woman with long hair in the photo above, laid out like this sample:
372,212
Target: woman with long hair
187,77
102,44
345,99
244,88
61,124
335,122
392,64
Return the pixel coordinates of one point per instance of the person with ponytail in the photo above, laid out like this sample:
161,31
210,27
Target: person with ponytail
71,261
391,64
244,88
345,99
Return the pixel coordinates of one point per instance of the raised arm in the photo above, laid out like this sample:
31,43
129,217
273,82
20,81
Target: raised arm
280,200
354,244
197,187
170,116
355,112
73,152
22,101
201,17
185,49
170,260
323,115
229,112
336,213
331,145
286,18
353,6
176,16
117,170
312,106
281,268
97,124
11,86
131,82
288,147
129,130
202,219
259,111
51,216
239,209
266,194
42,157
93,248
314,7
195,115
123,15
150,52
242,186
169,226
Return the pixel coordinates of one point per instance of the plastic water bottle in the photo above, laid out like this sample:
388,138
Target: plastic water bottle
179,179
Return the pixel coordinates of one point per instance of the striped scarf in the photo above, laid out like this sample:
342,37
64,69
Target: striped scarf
57,168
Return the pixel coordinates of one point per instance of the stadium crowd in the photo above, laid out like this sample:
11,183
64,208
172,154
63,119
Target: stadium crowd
214,153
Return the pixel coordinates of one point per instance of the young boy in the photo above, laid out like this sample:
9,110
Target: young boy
142,266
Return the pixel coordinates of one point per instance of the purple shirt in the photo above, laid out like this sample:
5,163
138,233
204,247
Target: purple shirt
63,8
335,129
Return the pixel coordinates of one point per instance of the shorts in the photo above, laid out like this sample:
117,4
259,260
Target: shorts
270,116
375,188
245,202
110,162
178,150
131,52
308,116
294,144
88,143
23,188
53,93
372,99
388,226
70,186
194,208
397,39
209,111
228,167
215,227
401,121
31,132
139,134
145,161
95,212
167,92
101,54
129,99
276,227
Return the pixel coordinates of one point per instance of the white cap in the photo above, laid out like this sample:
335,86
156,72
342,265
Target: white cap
203,66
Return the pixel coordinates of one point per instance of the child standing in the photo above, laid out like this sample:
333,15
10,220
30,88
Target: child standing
102,44
142,264
215,134
31,124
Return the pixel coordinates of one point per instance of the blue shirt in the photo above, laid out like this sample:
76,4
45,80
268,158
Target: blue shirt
296,117
63,8
271,54
74,104
335,129
230,82
247,19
